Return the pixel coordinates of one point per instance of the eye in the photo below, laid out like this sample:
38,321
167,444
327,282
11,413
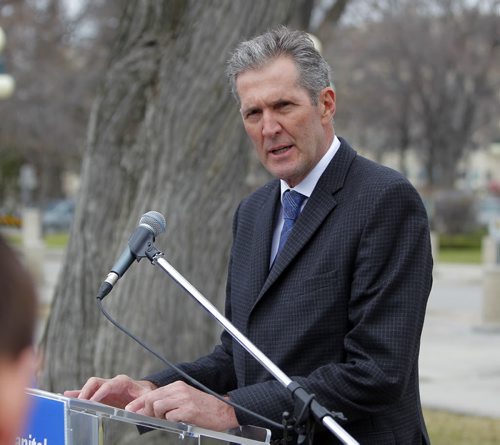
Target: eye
283,105
252,114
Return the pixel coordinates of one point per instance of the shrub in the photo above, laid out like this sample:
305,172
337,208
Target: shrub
454,212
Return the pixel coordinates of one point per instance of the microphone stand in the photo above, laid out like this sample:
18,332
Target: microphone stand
305,404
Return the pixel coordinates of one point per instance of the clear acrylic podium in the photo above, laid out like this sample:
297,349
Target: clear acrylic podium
89,423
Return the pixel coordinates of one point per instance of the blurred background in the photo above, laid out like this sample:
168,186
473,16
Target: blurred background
95,101
417,84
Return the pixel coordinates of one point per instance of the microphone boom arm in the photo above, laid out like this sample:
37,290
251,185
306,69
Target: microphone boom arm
300,395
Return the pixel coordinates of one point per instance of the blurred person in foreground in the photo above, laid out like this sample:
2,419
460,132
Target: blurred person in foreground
329,275
17,323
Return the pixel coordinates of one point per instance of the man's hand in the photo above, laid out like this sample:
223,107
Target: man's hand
117,392
179,402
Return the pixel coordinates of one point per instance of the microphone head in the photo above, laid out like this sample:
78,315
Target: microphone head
154,221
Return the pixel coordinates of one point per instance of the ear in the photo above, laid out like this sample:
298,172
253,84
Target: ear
327,105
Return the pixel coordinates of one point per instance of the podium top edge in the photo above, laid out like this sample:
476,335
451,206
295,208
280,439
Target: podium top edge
245,435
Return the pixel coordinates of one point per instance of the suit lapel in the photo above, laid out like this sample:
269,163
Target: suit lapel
263,236
317,208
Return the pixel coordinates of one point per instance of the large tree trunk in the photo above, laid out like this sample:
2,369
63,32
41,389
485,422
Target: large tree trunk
164,134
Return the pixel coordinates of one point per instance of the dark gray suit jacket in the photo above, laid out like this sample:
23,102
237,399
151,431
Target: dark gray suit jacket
341,310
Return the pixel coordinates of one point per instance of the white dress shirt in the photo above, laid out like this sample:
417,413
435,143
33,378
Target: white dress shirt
305,187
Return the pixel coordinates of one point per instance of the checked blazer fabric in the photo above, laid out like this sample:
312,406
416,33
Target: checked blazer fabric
341,311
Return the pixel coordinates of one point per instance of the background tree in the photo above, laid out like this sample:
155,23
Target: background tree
56,57
420,75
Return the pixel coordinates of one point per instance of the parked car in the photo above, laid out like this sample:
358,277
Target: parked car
58,216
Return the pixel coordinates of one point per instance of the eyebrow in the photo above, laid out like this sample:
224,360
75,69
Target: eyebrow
275,103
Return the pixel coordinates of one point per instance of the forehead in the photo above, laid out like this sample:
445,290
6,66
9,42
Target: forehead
277,79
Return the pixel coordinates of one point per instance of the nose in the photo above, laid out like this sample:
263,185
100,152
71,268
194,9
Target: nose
270,125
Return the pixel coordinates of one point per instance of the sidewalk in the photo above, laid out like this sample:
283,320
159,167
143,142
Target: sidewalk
459,360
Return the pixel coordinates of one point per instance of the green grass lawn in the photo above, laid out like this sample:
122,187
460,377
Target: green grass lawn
56,240
52,241
461,248
455,429
460,255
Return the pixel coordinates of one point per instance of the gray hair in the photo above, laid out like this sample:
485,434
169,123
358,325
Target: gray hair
314,72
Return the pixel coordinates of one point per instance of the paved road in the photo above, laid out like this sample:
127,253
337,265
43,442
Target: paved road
459,361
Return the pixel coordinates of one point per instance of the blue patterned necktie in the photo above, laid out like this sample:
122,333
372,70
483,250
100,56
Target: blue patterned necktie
292,202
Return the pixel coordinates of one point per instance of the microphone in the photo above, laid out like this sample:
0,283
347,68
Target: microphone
150,226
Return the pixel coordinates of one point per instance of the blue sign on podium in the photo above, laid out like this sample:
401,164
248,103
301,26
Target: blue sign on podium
46,423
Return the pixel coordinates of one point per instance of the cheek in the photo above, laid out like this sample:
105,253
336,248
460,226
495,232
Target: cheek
254,134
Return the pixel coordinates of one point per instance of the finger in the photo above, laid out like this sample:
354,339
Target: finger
136,405
162,407
72,393
176,415
141,407
147,402
103,391
154,403
90,388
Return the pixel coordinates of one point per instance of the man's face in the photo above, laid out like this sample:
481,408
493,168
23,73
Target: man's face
289,133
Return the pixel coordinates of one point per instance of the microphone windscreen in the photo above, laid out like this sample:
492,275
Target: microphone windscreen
155,221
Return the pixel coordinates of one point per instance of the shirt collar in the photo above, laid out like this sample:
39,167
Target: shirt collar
306,186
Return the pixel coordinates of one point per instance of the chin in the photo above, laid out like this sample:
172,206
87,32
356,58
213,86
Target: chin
283,174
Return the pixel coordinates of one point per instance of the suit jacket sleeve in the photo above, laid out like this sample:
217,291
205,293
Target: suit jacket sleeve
389,288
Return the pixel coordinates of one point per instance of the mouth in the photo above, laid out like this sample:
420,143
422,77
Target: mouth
281,149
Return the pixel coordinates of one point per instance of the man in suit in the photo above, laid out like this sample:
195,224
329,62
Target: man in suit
329,274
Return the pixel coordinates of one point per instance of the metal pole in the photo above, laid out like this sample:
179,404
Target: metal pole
228,326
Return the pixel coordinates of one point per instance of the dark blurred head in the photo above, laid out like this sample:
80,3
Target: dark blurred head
17,304
17,322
